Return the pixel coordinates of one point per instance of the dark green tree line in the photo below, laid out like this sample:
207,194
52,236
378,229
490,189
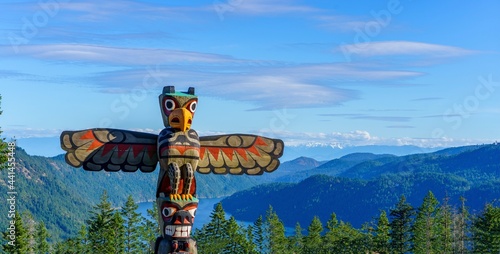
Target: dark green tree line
430,228
25,235
110,230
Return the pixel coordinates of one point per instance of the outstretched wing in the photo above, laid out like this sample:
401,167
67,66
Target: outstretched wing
110,149
239,154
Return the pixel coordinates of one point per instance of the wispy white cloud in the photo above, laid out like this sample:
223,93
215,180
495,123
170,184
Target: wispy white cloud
401,48
25,132
400,126
372,117
347,72
4,74
88,11
341,23
113,55
266,84
428,99
260,7
281,91
64,35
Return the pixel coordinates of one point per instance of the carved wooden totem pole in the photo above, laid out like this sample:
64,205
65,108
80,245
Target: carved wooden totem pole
180,153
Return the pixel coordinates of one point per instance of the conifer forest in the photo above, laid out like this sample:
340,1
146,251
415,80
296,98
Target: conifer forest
434,227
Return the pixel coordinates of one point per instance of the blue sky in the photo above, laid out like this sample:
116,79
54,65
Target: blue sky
342,73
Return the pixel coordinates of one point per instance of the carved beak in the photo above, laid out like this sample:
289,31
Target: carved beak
180,119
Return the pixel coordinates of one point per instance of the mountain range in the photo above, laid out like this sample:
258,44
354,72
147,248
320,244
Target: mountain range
357,186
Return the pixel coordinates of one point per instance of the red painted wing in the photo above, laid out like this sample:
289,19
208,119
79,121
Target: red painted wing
110,149
239,154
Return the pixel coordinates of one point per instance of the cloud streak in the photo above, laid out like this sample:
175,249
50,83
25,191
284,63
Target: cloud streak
114,55
371,117
267,84
259,7
403,48
263,89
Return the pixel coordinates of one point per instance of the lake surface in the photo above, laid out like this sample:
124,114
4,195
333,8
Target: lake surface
205,208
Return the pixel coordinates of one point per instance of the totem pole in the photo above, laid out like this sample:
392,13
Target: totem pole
180,153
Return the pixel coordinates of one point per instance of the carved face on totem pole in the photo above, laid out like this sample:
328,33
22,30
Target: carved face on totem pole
180,152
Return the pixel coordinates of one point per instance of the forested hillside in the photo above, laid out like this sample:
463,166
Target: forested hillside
357,188
333,167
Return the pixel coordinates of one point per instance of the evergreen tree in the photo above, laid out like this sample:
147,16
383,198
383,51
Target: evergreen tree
75,245
366,235
212,237
313,241
218,223
42,246
258,232
425,229
461,230
117,233
276,233
250,239
355,241
341,237
67,247
297,240
331,236
132,226
400,225
16,243
444,222
100,227
81,241
381,240
332,223
30,226
234,237
486,230
237,241
149,230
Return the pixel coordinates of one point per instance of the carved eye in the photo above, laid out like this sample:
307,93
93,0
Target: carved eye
192,106
168,211
169,104
192,212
